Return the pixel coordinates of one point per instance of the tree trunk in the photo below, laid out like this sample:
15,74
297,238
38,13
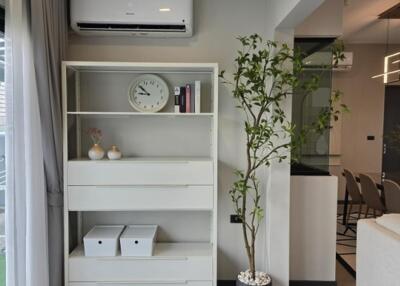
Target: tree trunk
246,241
253,259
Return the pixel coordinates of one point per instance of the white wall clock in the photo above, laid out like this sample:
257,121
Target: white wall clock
148,93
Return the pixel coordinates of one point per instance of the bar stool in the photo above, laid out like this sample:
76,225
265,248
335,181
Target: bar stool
354,193
371,195
392,196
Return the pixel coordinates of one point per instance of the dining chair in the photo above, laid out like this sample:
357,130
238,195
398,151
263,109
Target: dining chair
354,193
371,195
392,196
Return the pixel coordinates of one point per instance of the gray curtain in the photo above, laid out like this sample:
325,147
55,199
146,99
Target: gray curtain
49,34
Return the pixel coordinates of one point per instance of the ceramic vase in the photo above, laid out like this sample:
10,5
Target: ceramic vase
96,152
114,153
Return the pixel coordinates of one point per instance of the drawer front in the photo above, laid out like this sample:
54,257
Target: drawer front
125,269
101,247
147,283
92,198
111,173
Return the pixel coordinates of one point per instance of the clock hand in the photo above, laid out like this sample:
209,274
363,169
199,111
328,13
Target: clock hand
144,90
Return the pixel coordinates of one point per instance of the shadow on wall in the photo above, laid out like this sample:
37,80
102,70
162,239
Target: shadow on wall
230,236
137,41
228,233
232,157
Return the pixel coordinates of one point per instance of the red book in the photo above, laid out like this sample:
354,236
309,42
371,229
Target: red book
188,98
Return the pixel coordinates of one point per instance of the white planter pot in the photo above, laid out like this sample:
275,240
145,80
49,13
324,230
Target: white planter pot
262,279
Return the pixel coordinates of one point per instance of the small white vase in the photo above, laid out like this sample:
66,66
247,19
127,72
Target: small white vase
114,153
96,152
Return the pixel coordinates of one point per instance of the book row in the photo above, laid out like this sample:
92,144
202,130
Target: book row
188,98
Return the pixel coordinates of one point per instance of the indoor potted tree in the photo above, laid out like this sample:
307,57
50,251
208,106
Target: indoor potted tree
265,74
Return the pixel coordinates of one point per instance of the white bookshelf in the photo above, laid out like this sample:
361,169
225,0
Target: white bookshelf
168,175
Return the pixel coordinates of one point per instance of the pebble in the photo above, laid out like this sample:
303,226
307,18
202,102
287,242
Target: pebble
261,278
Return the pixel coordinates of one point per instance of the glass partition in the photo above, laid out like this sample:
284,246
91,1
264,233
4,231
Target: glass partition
317,58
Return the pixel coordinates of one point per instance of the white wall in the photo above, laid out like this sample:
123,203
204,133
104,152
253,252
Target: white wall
278,203
217,23
279,10
313,208
325,21
285,16
288,14
365,98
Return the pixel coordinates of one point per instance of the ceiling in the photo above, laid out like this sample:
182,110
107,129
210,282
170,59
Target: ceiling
361,23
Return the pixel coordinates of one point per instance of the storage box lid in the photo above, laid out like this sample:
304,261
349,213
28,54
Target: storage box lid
140,231
104,231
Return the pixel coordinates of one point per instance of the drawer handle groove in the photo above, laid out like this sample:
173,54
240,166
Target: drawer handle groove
152,258
142,282
142,186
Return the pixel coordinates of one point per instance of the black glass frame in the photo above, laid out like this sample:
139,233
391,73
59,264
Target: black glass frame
317,57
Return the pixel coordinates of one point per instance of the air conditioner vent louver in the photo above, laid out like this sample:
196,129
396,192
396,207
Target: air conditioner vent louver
131,27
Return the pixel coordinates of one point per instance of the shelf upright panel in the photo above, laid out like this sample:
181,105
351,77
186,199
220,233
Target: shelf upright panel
65,159
215,158
78,109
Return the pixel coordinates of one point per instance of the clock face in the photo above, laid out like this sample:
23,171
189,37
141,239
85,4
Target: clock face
148,93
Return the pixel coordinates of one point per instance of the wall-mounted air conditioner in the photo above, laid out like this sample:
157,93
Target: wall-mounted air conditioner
152,18
345,64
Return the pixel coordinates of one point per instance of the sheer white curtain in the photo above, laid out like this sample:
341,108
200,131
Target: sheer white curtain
26,205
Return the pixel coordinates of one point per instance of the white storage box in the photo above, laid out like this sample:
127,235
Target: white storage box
138,240
102,240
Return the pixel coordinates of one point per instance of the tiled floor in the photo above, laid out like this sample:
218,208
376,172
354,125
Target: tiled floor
346,248
346,240
343,278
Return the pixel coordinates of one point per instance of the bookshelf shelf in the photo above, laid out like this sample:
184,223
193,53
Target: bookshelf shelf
121,114
154,159
170,264
161,250
167,176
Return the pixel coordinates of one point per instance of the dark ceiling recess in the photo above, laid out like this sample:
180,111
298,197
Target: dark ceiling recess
392,13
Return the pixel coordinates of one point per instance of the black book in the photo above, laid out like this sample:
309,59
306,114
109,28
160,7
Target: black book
182,100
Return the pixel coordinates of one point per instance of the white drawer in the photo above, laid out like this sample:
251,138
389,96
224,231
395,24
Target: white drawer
171,262
92,198
140,172
147,283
